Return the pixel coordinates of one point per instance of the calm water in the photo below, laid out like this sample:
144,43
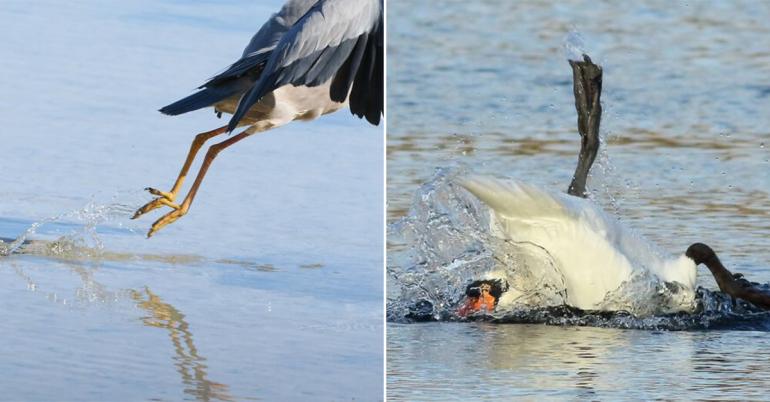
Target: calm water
485,86
270,288
476,361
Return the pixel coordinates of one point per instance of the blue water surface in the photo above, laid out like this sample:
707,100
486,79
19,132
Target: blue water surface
270,288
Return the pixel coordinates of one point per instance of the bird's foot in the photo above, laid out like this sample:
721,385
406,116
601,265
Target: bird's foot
163,198
167,219
155,191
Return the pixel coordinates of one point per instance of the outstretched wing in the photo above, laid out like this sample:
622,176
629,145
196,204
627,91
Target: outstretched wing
335,39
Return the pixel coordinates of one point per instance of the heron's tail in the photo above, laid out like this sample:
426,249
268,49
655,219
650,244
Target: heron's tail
203,98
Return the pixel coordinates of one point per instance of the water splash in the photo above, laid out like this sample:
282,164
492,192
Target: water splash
574,45
82,241
447,241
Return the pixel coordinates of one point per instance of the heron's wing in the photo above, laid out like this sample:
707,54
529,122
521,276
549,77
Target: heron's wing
241,75
250,65
331,35
364,72
259,49
277,25
207,96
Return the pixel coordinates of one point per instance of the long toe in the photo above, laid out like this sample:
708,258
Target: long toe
166,219
156,192
154,204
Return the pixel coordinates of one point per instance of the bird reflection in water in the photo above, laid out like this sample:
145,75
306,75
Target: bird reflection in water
190,365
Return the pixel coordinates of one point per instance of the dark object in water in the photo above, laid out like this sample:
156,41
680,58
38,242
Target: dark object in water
587,87
734,285
421,311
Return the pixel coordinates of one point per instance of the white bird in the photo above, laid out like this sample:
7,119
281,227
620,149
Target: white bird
594,252
311,58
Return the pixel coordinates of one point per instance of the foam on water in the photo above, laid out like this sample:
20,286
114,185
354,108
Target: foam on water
445,242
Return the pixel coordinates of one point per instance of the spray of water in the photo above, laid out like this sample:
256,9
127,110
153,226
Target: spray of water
447,241
81,243
83,240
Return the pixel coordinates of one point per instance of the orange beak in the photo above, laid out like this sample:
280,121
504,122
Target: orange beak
483,302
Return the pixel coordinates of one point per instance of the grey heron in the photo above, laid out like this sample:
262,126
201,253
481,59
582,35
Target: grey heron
311,58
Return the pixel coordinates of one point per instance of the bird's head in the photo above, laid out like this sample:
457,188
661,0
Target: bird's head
700,253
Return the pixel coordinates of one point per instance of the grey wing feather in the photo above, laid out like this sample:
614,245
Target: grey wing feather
248,65
207,96
366,76
241,75
259,49
279,23
334,38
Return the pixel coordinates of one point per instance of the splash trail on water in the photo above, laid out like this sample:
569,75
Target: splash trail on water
83,240
83,237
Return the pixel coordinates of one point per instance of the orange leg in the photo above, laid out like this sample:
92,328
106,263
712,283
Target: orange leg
182,209
167,198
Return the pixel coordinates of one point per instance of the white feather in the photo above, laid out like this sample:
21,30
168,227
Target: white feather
594,252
